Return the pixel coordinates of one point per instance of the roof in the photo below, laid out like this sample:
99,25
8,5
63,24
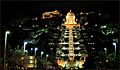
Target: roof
70,13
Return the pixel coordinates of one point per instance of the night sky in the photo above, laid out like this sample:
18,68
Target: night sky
14,10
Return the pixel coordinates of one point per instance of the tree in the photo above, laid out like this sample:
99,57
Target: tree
16,56
104,60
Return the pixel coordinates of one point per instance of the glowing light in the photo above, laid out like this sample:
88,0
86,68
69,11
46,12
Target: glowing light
31,57
20,26
87,13
64,48
75,36
105,49
36,18
47,55
114,46
36,48
78,48
91,35
7,32
99,14
66,36
93,48
25,45
79,54
103,27
64,43
86,23
106,60
95,24
31,65
63,54
81,13
76,43
31,61
31,49
22,58
25,42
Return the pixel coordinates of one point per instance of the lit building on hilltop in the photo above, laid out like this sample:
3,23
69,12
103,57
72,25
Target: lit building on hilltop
50,14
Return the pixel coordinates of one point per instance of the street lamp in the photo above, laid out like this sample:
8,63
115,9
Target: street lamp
36,50
114,46
25,45
6,33
41,53
46,56
31,50
46,60
35,55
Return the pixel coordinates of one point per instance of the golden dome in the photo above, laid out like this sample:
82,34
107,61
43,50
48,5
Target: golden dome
70,13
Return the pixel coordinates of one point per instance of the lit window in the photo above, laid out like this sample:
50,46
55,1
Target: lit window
31,61
31,57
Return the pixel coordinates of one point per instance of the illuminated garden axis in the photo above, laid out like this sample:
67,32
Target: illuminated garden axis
70,24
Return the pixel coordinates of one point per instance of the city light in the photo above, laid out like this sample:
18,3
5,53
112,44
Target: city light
106,60
93,48
99,14
22,58
64,48
76,43
86,23
95,24
31,57
91,35
31,49
25,45
87,13
105,49
114,46
6,33
41,53
31,61
47,55
36,50
103,27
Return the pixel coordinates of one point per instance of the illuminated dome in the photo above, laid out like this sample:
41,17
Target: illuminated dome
70,18
70,13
